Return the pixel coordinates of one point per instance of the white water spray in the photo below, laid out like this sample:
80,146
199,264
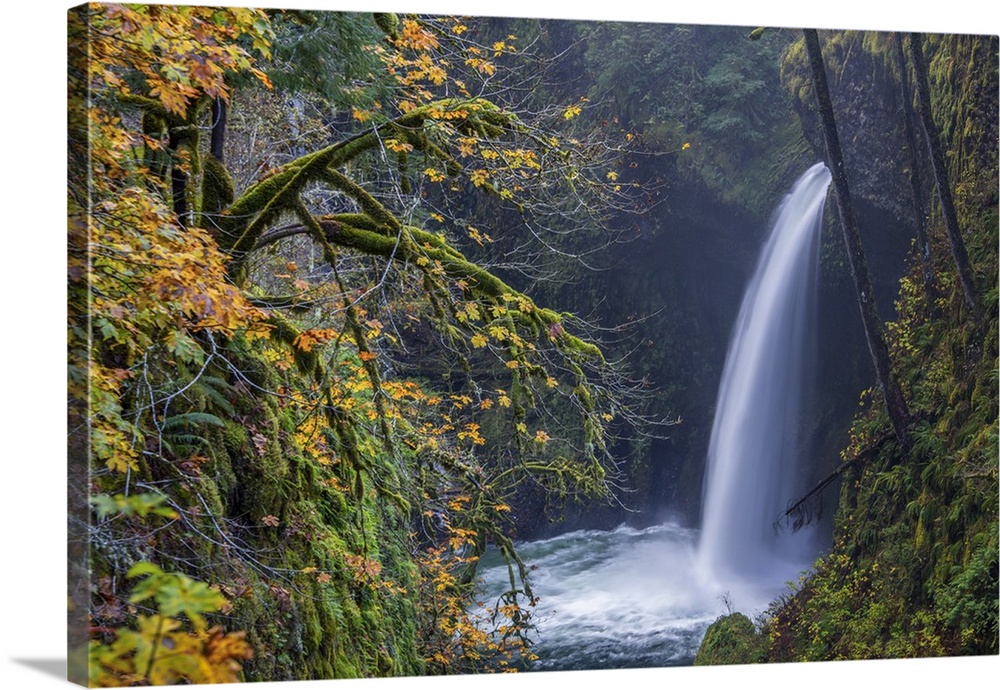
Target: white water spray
752,455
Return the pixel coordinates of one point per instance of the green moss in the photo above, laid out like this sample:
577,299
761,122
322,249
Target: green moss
217,191
732,639
388,22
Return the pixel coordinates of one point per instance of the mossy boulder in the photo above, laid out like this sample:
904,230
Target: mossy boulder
732,639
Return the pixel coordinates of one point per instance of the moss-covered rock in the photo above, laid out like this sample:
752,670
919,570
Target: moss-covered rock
732,639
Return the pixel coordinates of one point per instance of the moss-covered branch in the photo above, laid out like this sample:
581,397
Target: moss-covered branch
250,215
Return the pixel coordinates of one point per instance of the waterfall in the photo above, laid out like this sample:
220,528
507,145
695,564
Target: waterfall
754,446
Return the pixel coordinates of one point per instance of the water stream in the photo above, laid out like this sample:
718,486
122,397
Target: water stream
631,598
754,446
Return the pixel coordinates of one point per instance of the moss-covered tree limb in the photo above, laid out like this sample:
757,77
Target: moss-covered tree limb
456,267
250,215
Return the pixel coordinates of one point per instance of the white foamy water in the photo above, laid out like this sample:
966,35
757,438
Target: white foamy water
625,598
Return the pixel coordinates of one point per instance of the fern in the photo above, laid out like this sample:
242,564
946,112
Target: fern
214,389
179,432
186,420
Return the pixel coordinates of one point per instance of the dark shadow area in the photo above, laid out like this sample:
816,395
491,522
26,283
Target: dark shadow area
50,667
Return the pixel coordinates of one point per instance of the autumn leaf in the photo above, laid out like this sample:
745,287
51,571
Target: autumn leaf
270,520
397,146
259,442
479,177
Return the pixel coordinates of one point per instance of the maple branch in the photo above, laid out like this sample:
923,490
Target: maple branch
241,226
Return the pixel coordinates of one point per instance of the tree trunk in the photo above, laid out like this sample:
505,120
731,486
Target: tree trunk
916,184
874,331
217,190
958,251
219,117
178,180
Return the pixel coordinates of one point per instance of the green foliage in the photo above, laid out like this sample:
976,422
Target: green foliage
328,54
174,594
162,649
968,603
141,505
707,95
732,639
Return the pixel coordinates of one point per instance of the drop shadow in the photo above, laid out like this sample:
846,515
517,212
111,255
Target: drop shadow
50,667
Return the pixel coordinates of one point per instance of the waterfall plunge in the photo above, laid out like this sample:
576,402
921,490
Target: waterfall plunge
752,455
638,598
